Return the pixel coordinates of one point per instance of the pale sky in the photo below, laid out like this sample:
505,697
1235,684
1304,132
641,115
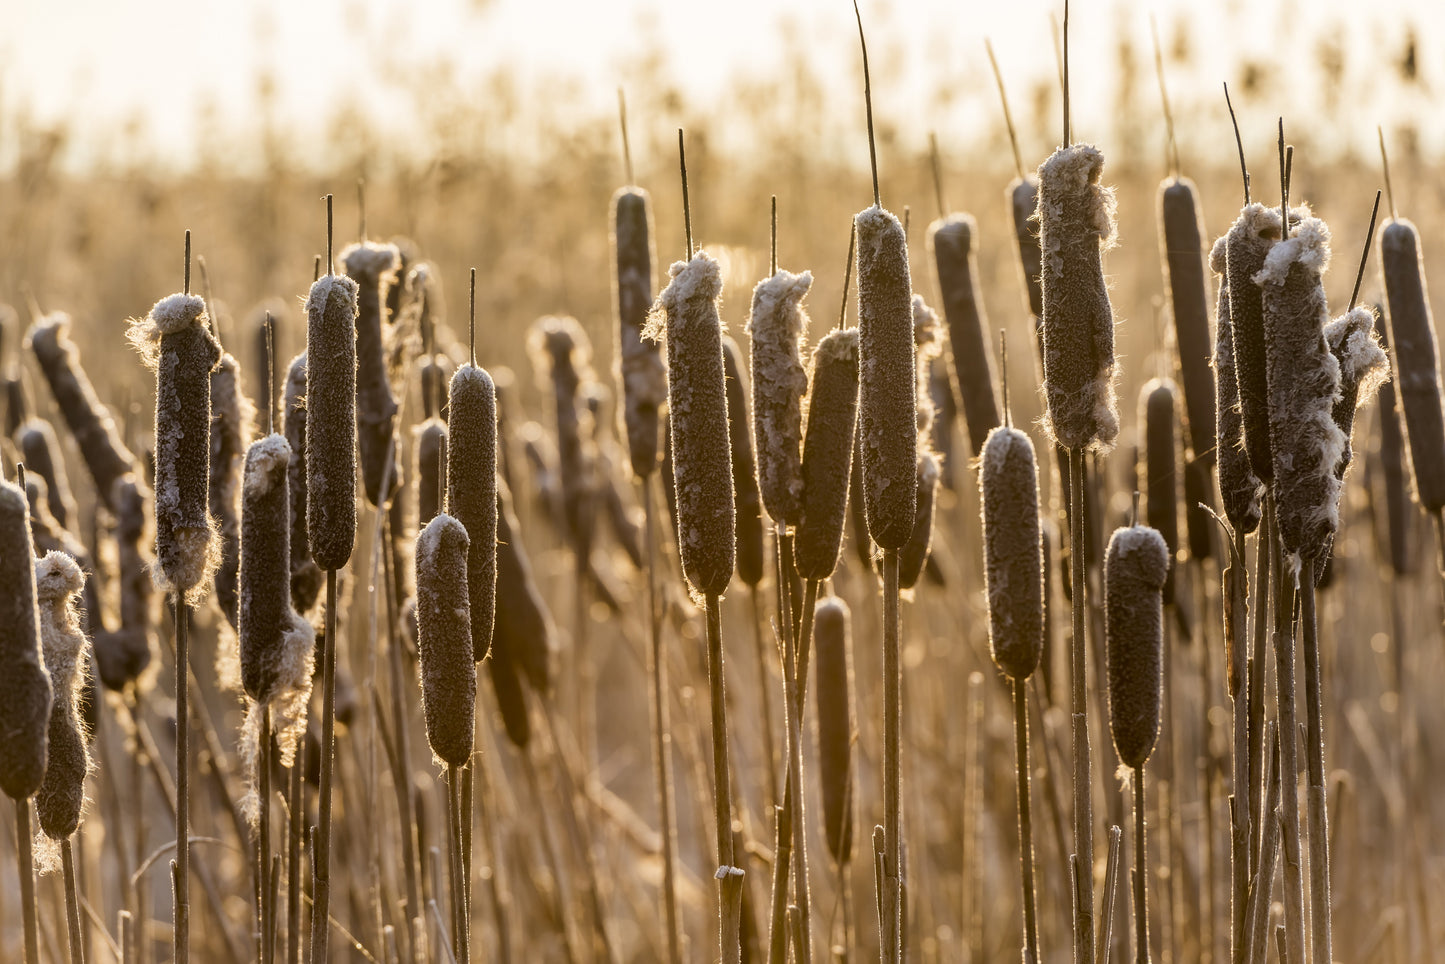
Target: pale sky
104,65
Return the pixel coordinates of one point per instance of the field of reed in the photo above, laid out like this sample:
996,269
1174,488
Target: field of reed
651,552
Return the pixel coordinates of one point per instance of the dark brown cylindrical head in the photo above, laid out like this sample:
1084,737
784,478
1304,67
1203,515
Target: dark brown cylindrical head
1076,221
970,356
828,454
331,421
1304,379
914,554
833,646
40,451
1199,522
444,639
887,381
95,433
306,576
25,693
1398,515
1240,489
1189,300
858,516
561,353
266,623
122,657
641,371
778,325
1023,195
58,583
1134,572
1160,465
1363,366
1417,359
1250,238
698,420
431,462
373,267
746,498
1012,551
472,492
232,418
511,700
523,633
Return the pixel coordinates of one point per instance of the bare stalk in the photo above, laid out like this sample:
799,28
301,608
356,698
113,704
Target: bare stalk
1026,829
1316,800
1241,807
1140,874
891,903
1257,666
182,911
461,929
25,865
296,828
1284,646
72,903
729,876
321,866
402,778
1083,801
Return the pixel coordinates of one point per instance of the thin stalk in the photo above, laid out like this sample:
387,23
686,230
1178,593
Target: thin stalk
1026,829
662,732
1259,897
1083,801
182,910
402,778
263,837
295,830
549,850
1111,890
321,856
1141,873
464,815
729,876
1241,807
891,902
461,936
72,903
496,887
1257,671
1316,795
796,679
1284,646
25,864
783,856
765,705
1439,517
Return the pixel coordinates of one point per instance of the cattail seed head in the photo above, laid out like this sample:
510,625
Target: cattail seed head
1199,523
778,324
560,350
431,461
1304,381
123,656
176,343
1417,359
472,493
887,386
639,358
828,454
914,554
330,445
373,267
1250,238
232,423
1023,196
523,633
90,423
58,583
833,648
1076,222
747,500
47,534
1364,366
857,514
928,343
25,693
1161,476
970,356
40,451
945,418
306,576
1189,300
1241,490
1392,466
1012,551
444,637
1135,569
687,311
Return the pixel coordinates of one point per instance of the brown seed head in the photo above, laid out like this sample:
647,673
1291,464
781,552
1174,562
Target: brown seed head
778,324
914,554
1012,551
1250,238
1189,299
25,693
1240,489
641,371
472,492
828,454
746,499
1364,366
444,638
1160,466
330,447
970,355
373,267
832,642
58,583
1417,359
1134,572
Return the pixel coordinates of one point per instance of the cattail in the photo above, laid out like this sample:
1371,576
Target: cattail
373,268
94,431
1392,465
1189,300
833,649
1023,193
560,349
1013,551
639,358
122,657
25,692
945,417
511,700
175,342
1199,523
431,460
746,498
887,383
828,454
232,418
1364,366
15,410
306,576
970,356
523,632
687,310
1304,380
1161,478
40,451
914,554
1135,569
330,443
398,293
504,380
46,533
435,374
58,582
777,325
445,635
1076,222
857,513
1240,489
1417,359
1250,238
928,342
472,493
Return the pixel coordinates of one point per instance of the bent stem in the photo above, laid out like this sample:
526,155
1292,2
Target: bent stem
182,910
1083,801
1316,795
321,867
729,876
1026,828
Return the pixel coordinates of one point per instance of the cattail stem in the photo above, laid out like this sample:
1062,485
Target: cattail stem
25,864
263,838
1241,806
321,857
1140,874
891,903
1319,824
1111,890
1083,801
783,859
296,828
182,910
1026,828
461,930
72,903
1284,647
662,731
729,876
1257,672
795,676
400,715
764,704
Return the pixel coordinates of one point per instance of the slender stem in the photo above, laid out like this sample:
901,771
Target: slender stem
1111,890
263,835
1258,664
1026,828
764,703
662,732
1008,120
72,903
868,98
1284,646
1365,255
1083,801
295,830
25,865
464,816
402,778
729,876
496,885
1141,873
795,678
1319,834
1241,805
783,858
560,891
892,902
321,857
1385,165
686,201
461,937
1068,126
1238,142
182,909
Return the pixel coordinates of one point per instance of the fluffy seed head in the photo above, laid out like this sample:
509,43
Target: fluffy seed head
472,492
330,447
833,646
444,639
778,325
1250,238
1189,299
1417,359
1134,572
746,498
1364,366
1076,222
641,370
373,267
887,382
58,583
1012,551
970,356
828,454
1240,489
25,693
